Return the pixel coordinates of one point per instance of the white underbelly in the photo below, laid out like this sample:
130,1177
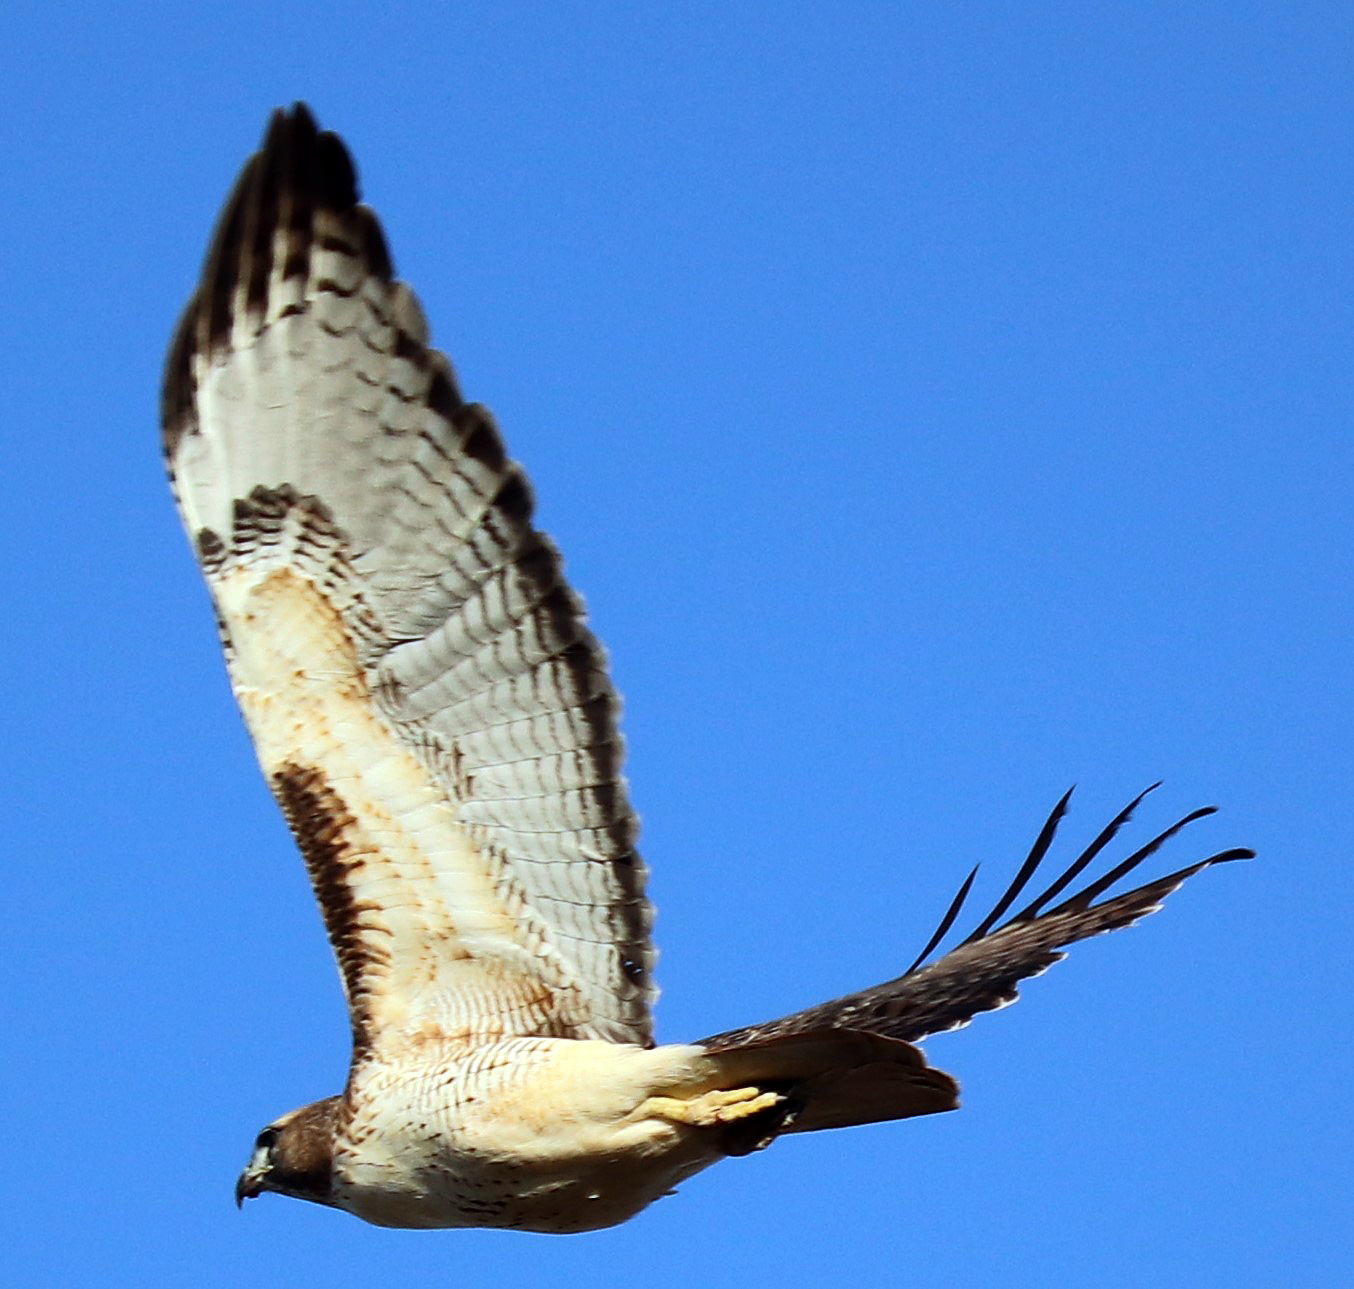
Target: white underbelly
531,1134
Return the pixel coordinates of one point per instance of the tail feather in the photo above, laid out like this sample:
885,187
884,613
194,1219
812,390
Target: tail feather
837,1078
980,974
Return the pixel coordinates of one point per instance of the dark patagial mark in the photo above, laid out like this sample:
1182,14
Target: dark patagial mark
321,823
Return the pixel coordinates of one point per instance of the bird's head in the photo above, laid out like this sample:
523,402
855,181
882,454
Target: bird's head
294,1156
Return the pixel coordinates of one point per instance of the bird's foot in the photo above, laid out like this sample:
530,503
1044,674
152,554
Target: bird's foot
710,1109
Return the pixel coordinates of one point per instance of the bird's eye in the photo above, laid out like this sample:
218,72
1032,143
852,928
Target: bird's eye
266,1139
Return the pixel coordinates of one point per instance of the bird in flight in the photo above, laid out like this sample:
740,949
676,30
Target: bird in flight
436,721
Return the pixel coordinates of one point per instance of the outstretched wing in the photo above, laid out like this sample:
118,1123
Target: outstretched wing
984,971
426,701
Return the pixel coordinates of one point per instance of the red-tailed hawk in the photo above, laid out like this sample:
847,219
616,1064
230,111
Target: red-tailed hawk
437,723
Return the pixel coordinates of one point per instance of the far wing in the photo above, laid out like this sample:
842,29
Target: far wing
983,972
426,701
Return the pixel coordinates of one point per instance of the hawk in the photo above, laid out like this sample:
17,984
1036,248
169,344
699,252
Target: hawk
437,723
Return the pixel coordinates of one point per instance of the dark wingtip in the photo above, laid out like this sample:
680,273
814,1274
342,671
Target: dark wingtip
984,972
1087,857
293,140
946,922
1028,868
295,144
301,113
1084,898
1227,856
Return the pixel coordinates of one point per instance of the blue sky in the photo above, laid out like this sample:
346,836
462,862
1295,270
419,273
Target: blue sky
937,404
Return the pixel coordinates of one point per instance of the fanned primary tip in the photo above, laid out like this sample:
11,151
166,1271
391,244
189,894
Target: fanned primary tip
1032,862
1087,857
946,922
984,972
1084,898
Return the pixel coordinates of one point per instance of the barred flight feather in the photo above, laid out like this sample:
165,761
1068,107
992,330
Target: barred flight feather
304,413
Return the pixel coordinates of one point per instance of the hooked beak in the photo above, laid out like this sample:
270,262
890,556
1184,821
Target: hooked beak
248,1185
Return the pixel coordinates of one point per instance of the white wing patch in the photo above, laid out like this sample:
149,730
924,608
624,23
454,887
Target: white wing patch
433,921
427,701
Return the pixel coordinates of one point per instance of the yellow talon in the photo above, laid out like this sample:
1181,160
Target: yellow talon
710,1109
